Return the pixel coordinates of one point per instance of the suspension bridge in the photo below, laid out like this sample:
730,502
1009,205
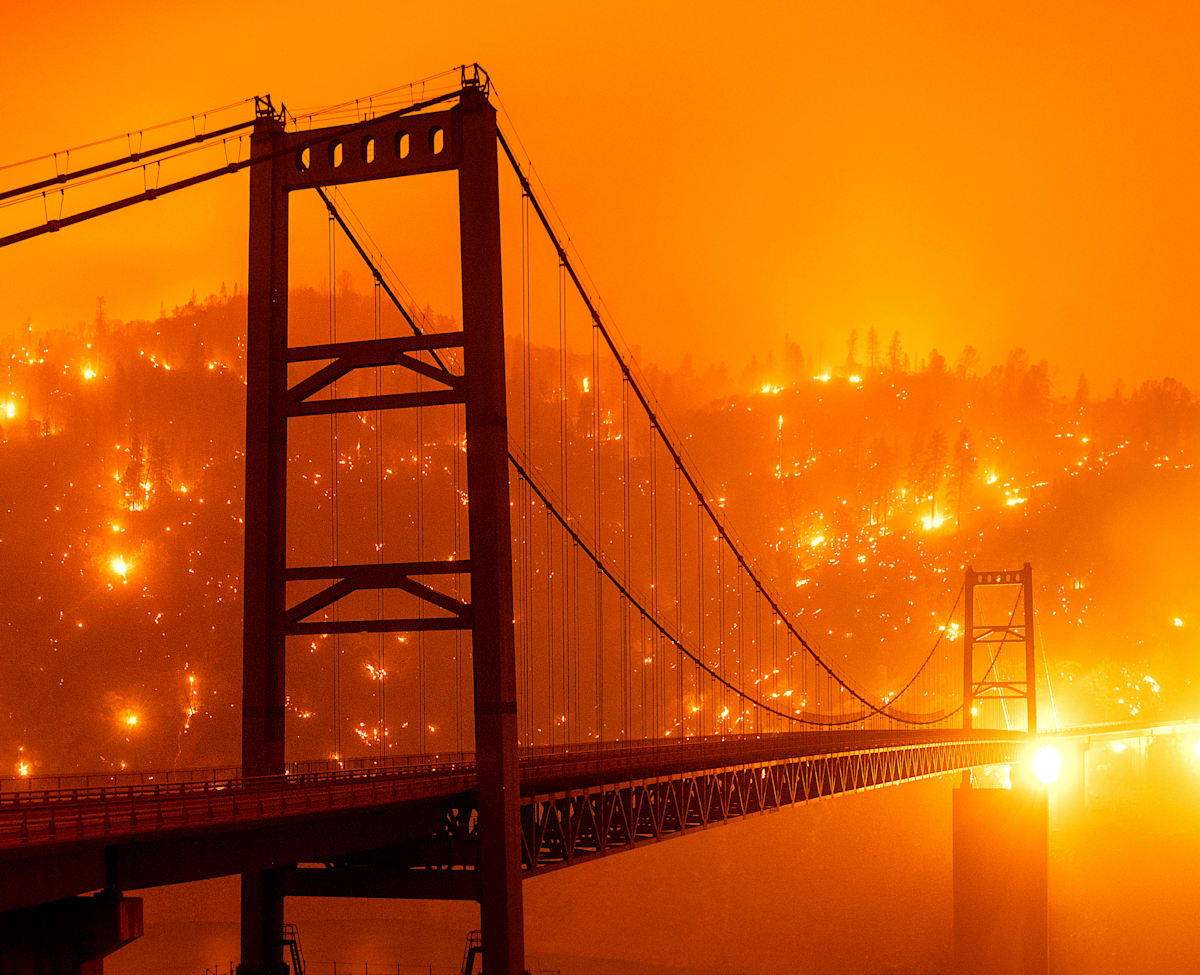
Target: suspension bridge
565,593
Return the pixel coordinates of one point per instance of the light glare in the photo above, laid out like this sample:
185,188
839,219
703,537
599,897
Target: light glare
1047,764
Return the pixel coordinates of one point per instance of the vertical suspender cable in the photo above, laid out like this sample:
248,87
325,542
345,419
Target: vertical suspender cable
598,646
701,702
526,434
420,438
381,649
626,617
563,461
333,498
678,535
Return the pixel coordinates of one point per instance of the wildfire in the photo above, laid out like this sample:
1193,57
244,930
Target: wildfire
192,706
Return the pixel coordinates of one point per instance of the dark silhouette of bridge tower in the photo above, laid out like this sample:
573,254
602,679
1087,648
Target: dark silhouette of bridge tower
982,631
460,139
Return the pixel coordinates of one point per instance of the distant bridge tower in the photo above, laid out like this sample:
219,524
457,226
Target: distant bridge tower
1001,836
463,140
982,680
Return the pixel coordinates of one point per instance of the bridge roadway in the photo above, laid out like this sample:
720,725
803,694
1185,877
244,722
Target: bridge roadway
408,829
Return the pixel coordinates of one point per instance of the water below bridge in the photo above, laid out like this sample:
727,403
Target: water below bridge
858,884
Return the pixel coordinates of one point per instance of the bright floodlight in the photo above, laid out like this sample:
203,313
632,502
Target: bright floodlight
1047,763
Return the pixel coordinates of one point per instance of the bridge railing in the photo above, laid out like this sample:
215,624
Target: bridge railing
49,815
73,781
173,782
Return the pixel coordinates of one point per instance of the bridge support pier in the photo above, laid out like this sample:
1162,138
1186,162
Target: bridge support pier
1001,841
262,925
1071,791
68,937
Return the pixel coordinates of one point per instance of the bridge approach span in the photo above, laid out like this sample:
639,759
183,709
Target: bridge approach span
410,830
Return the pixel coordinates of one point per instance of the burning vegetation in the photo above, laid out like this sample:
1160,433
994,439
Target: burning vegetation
865,489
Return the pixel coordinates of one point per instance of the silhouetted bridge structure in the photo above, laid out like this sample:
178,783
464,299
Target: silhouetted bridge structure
633,675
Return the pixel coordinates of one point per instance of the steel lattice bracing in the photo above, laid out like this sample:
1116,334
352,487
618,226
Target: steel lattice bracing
562,829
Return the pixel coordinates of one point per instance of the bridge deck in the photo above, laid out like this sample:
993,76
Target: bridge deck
577,804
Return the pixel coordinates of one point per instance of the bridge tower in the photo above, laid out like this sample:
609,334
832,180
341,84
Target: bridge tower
462,139
992,635
1001,836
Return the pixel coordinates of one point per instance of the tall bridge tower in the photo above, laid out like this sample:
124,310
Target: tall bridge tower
461,139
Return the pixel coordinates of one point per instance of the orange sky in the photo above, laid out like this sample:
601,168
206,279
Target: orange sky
731,173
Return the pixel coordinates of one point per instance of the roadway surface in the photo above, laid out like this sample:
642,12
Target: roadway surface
62,836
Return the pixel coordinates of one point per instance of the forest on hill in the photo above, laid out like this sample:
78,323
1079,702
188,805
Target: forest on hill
864,489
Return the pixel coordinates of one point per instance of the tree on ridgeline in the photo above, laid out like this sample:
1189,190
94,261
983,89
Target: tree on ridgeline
918,466
793,361
1080,402
964,469
935,466
134,476
158,467
968,362
895,353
